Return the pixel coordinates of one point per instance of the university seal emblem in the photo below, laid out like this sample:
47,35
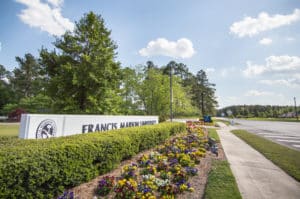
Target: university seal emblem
46,129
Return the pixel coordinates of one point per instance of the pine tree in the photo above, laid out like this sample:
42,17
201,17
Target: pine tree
83,75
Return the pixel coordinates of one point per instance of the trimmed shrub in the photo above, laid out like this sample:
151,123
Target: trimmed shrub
44,168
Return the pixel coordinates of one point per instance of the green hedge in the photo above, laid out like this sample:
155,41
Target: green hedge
44,168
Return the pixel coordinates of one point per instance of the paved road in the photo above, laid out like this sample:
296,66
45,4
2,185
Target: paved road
256,176
285,133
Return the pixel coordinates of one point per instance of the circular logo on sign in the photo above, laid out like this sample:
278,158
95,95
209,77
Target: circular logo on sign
46,129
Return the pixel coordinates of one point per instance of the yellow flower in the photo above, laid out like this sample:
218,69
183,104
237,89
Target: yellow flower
133,182
122,182
183,187
191,189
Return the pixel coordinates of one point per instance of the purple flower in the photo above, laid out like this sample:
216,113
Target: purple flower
173,162
67,195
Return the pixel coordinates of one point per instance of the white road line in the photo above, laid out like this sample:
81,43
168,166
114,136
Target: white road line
278,136
296,145
295,141
265,133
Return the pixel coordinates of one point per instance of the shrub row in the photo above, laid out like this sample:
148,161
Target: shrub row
44,168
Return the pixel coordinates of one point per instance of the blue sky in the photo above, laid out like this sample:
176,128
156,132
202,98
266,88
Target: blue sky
249,48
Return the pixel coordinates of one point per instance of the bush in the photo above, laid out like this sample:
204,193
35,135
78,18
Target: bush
44,168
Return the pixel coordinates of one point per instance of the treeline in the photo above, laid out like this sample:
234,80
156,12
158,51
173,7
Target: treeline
81,75
248,111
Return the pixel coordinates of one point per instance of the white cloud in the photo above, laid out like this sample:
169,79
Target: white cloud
257,93
284,64
291,82
210,70
45,16
251,26
265,41
253,70
224,72
56,3
0,46
290,39
182,48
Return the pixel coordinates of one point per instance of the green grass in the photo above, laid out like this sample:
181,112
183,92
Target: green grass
196,117
273,119
224,121
212,132
9,129
284,157
221,182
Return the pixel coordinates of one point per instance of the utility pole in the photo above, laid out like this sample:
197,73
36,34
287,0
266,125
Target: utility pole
296,108
171,95
202,103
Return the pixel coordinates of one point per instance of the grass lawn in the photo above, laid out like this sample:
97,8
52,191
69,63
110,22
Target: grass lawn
221,182
195,117
284,157
212,132
9,129
224,121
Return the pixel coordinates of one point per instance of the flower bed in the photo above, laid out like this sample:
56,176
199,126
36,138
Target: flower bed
163,173
45,168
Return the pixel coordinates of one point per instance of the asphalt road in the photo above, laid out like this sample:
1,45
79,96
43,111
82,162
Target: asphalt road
285,133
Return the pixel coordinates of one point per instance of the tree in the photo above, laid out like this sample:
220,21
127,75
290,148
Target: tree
258,110
6,93
154,92
179,69
131,103
203,93
84,76
26,80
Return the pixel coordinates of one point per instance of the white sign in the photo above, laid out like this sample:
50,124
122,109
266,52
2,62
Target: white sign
35,126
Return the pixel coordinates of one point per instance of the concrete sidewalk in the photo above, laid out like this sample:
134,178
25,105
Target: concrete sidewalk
256,176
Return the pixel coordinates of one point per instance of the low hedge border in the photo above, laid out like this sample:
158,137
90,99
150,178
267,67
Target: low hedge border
44,168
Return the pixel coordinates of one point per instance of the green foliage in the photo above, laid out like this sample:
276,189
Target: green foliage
81,75
44,168
203,93
221,182
84,77
259,111
35,104
212,133
6,92
154,92
131,102
26,80
282,156
194,86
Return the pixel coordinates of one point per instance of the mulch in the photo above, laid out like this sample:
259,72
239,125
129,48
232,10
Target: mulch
87,190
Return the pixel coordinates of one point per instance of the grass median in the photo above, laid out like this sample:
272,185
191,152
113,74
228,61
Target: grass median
273,119
284,157
212,133
221,182
9,129
224,121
